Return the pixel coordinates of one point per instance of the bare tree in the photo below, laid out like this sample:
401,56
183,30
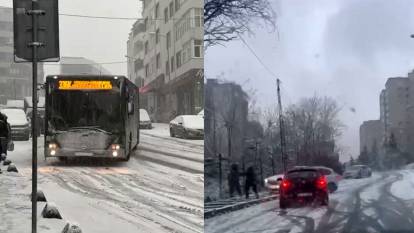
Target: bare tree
225,19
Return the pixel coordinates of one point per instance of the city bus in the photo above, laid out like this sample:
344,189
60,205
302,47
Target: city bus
91,116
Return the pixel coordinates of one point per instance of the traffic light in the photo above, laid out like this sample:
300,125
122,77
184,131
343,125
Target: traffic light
47,15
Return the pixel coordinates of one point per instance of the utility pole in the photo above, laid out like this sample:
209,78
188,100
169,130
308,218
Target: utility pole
281,128
220,176
261,164
36,39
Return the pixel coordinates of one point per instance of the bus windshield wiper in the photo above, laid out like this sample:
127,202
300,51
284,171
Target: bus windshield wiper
96,128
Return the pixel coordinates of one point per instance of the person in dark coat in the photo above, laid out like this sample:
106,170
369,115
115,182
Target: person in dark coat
251,181
233,179
5,134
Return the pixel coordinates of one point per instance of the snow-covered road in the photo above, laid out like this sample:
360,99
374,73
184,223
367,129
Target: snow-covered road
159,190
381,203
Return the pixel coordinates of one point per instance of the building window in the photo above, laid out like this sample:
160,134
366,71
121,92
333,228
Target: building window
168,40
167,68
146,47
178,59
177,5
166,15
158,61
171,9
146,24
172,64
146,70
198,48
198,17
157,36
157,11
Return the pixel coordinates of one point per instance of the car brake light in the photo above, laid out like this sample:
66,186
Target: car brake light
285,184
321,182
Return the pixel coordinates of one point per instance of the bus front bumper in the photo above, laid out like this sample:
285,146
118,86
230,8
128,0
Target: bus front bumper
66,152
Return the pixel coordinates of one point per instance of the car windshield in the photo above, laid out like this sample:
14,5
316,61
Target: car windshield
143,115
195,122
15,116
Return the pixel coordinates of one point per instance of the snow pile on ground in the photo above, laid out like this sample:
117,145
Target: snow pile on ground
15,207
409,166
399,188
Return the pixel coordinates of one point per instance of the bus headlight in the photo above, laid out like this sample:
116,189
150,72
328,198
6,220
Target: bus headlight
115,147
52,146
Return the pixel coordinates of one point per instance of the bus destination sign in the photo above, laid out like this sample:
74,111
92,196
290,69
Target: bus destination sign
85,85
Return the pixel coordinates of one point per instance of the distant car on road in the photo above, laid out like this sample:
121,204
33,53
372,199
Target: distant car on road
187,126
144,119
332,177
272,183
357,171
303,185
18,123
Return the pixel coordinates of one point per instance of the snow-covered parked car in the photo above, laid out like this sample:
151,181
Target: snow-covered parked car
201,113
18,123
187,126
272,183
144,119
357,171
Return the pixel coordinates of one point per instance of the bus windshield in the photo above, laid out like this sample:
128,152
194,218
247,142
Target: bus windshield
85,108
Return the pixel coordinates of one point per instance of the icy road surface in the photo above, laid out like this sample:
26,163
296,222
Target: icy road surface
381,203
159,190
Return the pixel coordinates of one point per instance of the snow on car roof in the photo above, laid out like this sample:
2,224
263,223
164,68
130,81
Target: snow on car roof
15,116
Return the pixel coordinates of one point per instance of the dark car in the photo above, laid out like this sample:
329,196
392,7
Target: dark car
187,126
303,185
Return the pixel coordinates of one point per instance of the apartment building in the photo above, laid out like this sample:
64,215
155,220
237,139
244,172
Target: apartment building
225,103
15,78
396,115
165,50
370,135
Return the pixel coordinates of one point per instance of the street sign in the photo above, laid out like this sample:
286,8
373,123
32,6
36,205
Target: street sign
47,30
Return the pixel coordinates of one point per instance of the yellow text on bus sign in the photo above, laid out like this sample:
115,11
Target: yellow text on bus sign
85,85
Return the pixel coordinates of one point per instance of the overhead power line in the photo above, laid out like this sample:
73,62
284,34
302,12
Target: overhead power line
256,56
97,63
127,18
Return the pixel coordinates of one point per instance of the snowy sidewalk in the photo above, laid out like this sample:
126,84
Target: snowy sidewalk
16,207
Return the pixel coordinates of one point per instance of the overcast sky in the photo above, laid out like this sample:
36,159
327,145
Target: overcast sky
345,49
96,39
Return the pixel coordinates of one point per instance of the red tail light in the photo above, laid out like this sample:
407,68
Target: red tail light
321,182
285,184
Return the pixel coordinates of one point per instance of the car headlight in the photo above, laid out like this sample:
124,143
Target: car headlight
266,180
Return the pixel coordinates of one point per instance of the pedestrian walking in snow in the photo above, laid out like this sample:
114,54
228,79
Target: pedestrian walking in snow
5,134
251,182
233,179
